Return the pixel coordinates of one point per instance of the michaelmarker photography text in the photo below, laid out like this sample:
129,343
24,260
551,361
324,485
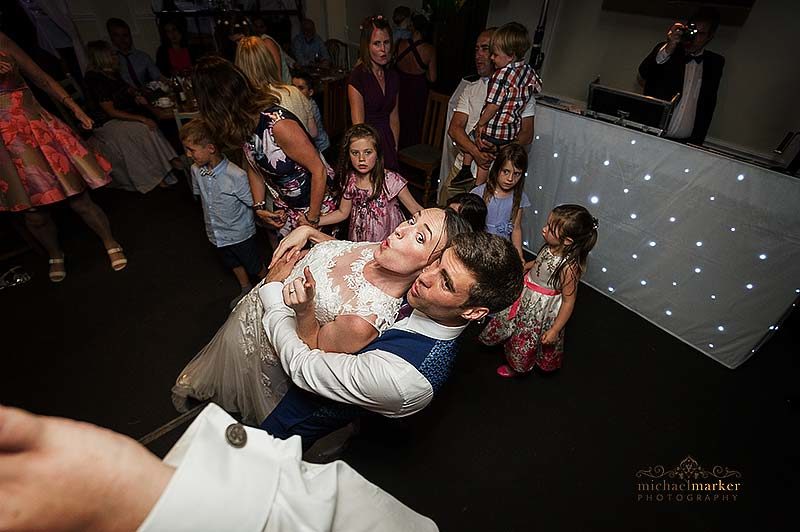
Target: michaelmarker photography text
687,491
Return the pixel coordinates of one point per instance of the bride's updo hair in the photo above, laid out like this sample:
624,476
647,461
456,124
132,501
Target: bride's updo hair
454,224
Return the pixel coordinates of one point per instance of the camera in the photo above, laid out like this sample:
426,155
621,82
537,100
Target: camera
688,33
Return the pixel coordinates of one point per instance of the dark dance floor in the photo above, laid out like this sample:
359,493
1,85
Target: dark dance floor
541,453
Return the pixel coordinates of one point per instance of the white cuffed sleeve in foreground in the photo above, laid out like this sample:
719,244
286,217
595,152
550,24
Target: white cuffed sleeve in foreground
265,487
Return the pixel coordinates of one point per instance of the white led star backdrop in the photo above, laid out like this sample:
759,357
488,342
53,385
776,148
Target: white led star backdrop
703,246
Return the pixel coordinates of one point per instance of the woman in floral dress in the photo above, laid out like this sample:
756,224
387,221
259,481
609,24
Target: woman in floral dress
42,161
282,158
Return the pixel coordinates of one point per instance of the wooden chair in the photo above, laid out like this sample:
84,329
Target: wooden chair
336,108
427,155
340,57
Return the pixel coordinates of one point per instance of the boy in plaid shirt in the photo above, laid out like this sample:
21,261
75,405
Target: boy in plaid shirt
510,88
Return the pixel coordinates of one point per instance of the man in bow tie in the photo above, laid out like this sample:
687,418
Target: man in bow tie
683,65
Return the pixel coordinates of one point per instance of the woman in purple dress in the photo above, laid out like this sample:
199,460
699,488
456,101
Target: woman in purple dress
372,88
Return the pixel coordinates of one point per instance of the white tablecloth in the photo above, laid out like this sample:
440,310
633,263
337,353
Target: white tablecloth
703,246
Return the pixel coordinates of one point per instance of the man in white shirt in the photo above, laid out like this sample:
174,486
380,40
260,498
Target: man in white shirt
682,65
59,475
399,373
465,110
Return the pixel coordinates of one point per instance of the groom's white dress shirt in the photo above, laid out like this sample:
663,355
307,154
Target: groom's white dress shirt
376,380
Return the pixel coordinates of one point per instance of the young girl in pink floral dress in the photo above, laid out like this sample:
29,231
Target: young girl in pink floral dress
532,329
371,195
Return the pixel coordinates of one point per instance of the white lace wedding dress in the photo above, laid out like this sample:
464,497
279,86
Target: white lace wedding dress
239,370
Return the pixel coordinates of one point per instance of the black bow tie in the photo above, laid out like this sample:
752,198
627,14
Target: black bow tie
696,58
205,171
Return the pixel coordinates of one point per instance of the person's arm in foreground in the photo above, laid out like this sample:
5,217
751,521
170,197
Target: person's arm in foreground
58,474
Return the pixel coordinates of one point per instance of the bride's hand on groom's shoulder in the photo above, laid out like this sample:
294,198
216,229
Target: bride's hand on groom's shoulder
294,241
282,268
299,294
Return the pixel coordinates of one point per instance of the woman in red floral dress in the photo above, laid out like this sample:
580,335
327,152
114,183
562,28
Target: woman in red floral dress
42,161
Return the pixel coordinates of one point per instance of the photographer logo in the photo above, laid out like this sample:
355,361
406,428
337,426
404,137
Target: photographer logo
688,483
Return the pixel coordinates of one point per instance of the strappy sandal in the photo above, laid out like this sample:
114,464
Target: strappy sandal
118,264
58,275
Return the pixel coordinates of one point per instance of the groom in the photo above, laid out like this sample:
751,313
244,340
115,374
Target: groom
399,373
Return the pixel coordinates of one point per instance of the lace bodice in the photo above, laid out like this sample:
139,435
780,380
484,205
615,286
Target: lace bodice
542,271
338,268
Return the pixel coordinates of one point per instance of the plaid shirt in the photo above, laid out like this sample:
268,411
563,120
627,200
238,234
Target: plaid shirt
510,87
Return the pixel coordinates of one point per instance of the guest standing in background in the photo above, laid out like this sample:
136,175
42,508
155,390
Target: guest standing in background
683,65
281,58
135,66
225,193
402,19
255,60
280,154
373,87
416,66
42,161
371,195
305,84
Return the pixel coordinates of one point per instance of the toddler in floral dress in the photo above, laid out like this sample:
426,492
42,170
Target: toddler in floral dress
371,195
532,329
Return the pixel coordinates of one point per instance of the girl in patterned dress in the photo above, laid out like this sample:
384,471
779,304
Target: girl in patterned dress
504,194
371,195
532,329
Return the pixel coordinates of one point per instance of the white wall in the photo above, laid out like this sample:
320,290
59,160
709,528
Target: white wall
758,95
90,17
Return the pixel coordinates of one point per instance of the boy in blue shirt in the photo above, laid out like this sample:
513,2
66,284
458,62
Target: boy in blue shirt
227,205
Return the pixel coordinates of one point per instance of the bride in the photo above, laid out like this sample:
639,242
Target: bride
360,286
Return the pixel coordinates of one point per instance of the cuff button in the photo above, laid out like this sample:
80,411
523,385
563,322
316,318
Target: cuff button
236,435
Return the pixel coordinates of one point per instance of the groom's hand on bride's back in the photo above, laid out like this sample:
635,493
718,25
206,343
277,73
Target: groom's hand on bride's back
281,270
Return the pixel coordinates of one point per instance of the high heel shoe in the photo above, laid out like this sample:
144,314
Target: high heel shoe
118,264
57,275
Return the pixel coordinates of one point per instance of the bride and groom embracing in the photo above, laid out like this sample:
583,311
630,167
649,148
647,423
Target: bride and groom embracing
281,360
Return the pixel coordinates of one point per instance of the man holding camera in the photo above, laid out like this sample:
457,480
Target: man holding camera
683,65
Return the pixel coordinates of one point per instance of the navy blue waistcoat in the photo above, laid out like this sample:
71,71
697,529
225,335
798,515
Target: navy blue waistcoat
312,417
